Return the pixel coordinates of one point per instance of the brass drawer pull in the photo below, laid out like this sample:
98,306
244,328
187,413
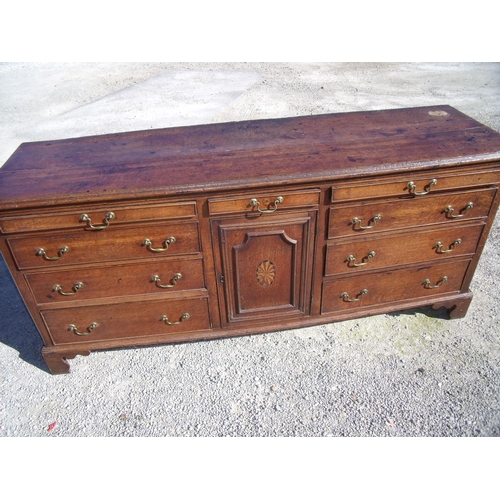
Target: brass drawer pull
449,210
254,202
439,246
147,243
76,287
74,329
167,322
412,187
105,221
356,220
60,253
427,283
352,260
345,296
156,279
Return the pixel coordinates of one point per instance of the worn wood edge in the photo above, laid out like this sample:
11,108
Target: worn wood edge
138,298
304,179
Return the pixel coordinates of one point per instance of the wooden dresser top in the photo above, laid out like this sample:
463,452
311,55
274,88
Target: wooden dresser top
216,157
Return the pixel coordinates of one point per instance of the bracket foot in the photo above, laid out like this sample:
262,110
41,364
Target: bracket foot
57,360
457,307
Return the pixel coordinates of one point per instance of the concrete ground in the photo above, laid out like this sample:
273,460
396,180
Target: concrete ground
412,373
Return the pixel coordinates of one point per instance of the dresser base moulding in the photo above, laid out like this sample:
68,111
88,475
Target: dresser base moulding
214,231
56,357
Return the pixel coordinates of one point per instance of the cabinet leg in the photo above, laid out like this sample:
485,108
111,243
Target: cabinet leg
457,308
57,361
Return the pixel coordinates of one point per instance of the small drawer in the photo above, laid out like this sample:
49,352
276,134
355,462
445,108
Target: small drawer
422,184
400,249
379,288
97,219
127,320
372,217
46,250
267,202
156,276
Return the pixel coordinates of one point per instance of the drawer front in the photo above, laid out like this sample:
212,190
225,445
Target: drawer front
99,218
127,320
397,214
400,249
275,201
378,288
156,276
77,247
399,186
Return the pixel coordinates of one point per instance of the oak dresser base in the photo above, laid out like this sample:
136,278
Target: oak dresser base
212,231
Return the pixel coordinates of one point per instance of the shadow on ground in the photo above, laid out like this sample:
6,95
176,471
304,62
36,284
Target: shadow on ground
17,329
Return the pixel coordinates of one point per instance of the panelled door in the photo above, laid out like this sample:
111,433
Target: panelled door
264,266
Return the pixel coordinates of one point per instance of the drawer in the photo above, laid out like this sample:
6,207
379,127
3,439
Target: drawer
127,320
399,185
370,217
100,217
399,249
153,276
78,247
390,286
271,201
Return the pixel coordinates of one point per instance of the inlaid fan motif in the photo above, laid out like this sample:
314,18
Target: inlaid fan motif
266,273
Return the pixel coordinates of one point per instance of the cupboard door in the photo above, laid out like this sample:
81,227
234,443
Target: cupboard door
265,266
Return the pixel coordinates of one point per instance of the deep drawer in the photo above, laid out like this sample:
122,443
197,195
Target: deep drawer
396,214
378,288
127,320
401,248
77,247
275,201
102,217
156,276
399,185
